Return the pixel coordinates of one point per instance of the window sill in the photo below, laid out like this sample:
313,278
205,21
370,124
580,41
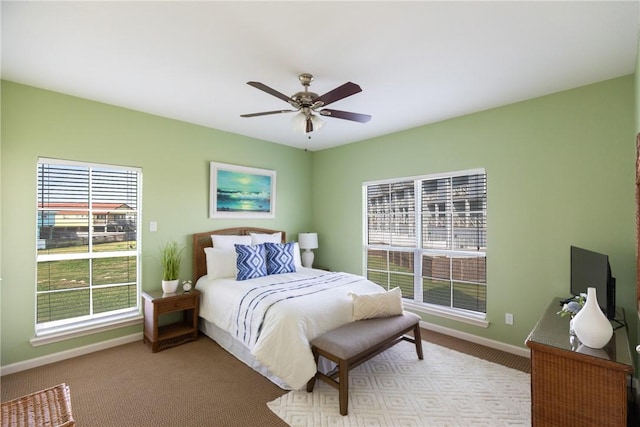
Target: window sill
87,328
475,320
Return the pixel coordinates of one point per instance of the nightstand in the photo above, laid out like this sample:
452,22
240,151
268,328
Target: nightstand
156,304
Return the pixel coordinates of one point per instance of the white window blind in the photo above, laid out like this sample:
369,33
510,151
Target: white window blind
427,235
87,243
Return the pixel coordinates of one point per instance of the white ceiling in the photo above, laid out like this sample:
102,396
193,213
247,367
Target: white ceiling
417,62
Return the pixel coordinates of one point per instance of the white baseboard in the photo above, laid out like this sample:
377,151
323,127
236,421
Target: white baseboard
518,351
68,354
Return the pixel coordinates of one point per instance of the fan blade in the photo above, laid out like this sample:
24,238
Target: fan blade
339,93
266,113
273,92
346,115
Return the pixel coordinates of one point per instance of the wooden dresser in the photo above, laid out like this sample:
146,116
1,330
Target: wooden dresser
575,385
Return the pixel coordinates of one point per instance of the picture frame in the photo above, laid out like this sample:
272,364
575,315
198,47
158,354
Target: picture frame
241,192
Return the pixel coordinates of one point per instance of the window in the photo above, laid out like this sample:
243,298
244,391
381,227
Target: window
87,244
427,235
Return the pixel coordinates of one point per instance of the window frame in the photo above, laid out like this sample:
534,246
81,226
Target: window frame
417,248
94,321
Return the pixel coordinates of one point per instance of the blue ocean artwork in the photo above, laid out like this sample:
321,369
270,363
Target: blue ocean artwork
243,192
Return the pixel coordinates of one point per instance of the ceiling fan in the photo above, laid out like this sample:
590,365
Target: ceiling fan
307,103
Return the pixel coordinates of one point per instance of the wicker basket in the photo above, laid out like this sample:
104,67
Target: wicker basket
50,408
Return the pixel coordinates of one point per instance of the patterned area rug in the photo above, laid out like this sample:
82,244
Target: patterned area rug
447,388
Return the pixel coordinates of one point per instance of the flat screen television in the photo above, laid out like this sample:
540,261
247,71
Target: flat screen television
592,270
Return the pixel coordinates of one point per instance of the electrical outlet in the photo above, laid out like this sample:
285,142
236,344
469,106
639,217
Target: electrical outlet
153,226
508,318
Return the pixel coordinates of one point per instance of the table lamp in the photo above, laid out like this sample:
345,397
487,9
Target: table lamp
307,241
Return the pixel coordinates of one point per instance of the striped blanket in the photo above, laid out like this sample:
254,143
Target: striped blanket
258,301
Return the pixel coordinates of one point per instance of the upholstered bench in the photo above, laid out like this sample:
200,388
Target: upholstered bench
356,342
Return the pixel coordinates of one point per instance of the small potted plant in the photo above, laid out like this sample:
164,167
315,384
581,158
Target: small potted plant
573,306
171,258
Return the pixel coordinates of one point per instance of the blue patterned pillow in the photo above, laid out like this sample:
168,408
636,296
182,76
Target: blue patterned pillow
251,261
280,258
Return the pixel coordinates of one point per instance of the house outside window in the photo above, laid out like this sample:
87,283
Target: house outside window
428,236
88,245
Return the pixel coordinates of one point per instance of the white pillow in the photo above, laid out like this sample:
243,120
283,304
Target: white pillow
383,304
257,239
297,258
220,241
221,263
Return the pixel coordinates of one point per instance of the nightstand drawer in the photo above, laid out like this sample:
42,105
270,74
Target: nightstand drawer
176,304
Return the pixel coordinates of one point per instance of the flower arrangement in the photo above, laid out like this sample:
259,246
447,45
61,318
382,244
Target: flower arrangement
573,306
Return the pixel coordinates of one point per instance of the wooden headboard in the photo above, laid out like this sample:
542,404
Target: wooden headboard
203,240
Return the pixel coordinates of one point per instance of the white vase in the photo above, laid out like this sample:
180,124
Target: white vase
592,327
170,286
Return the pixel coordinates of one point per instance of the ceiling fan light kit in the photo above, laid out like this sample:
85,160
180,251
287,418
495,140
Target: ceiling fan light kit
304,119
306,103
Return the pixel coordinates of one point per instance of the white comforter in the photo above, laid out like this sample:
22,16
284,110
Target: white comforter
280,340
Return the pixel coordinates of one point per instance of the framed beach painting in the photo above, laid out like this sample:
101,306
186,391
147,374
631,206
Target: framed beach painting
241,192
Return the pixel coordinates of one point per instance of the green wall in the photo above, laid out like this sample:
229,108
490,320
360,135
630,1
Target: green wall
637,91
174,157
560,171
637,118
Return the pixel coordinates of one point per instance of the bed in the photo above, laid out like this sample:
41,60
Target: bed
268,321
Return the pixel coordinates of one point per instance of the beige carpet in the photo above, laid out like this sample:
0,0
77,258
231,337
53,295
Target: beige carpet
447,388
195,384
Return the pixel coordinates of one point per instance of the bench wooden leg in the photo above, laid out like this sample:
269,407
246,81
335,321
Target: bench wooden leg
312,382
418,339
343,390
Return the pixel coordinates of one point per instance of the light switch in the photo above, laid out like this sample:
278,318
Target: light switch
153,226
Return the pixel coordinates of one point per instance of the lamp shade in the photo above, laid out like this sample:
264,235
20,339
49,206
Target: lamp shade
317,122
308,240
299,122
